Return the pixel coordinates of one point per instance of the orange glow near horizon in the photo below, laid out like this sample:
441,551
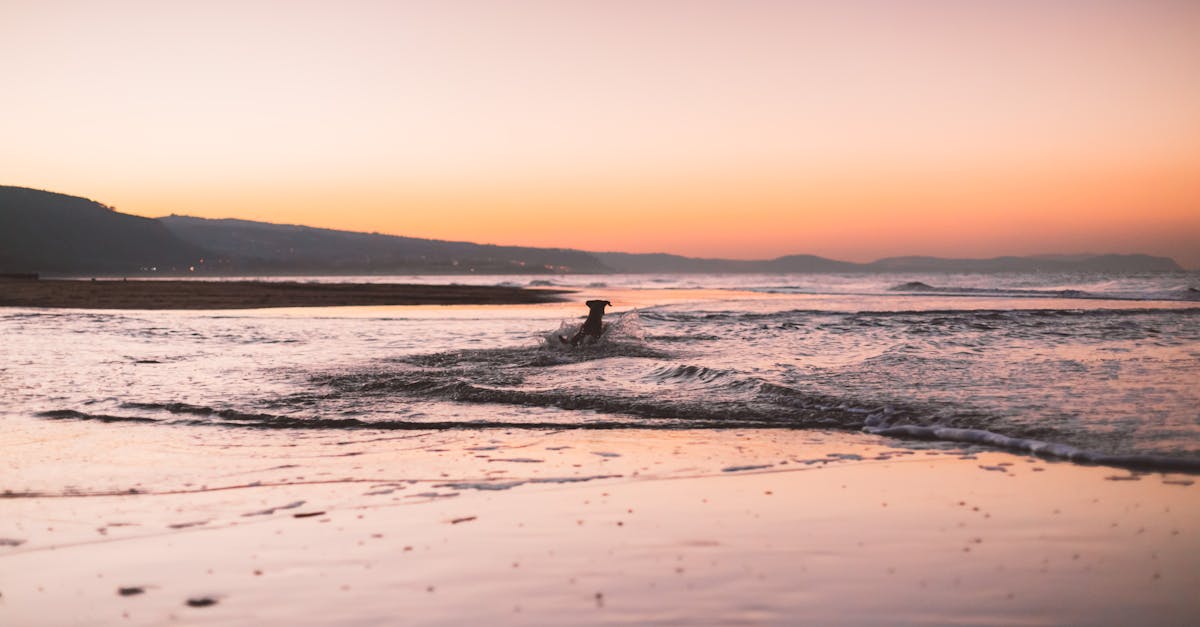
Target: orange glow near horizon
750,130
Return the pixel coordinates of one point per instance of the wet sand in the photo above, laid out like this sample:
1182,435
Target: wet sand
147,294
144,525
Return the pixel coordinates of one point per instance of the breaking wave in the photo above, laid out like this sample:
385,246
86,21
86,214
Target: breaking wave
735,369
918,287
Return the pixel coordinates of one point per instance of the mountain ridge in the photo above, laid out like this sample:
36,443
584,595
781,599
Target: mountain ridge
48,232
297,248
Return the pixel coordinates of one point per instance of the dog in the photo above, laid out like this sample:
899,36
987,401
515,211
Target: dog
592,326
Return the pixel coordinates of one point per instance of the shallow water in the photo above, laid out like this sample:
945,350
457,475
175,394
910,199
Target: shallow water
1092,368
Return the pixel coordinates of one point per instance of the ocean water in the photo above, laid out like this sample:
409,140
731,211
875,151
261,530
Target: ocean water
1089,368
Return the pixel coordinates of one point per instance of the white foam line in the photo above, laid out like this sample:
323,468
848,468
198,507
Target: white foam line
1037,447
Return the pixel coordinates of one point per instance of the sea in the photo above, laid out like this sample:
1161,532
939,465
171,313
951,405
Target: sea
1088,368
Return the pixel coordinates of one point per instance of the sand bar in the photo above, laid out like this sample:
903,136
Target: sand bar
119,294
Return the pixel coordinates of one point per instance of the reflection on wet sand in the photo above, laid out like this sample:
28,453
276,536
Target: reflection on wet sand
139,524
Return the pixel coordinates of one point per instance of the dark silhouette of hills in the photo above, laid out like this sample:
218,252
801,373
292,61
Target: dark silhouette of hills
626,262
1037,263
50,233
58,234
661,262
289,249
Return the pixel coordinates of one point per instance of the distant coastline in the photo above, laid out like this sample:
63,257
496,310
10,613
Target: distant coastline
59,235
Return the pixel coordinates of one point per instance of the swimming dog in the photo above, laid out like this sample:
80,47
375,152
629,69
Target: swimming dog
592,326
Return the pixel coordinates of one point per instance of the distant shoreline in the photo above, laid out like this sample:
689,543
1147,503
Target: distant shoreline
191,294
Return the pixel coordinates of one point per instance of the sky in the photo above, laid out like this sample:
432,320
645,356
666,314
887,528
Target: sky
750,129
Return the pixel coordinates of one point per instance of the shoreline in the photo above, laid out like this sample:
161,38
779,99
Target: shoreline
548,527
191,295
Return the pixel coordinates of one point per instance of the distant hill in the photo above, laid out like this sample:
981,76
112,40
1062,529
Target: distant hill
55,233
664,263
266,247
58,234
658,262
636,263
1038,263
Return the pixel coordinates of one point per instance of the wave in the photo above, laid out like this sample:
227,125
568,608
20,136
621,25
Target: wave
1038,447
662,417
268,421
690,372
980,328
735,315
624,381
918,287
71,414
701,397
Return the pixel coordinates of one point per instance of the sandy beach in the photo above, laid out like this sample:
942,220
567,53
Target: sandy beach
168,294
162,526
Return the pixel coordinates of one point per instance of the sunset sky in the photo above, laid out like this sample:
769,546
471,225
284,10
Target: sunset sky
854,130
